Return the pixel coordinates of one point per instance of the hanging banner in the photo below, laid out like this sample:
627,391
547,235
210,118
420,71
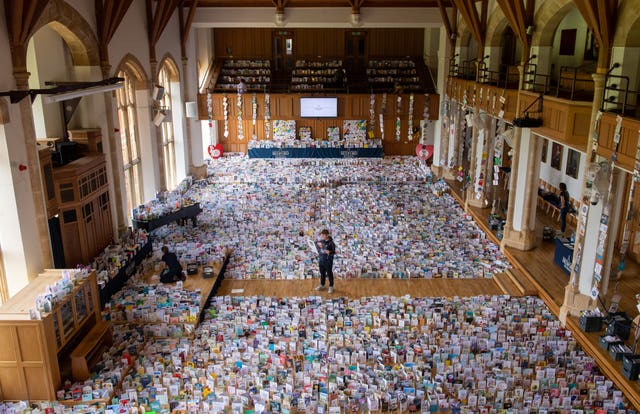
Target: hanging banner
239,116
225,106
410,119
267,116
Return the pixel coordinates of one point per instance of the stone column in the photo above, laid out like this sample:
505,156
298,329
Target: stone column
22,82
479,160
576,297
525,167
440,126
113,155
454,133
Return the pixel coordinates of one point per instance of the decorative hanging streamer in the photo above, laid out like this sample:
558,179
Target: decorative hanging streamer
604,220
398,106
267,116
240,127
629,216
383,111
481,146
210,116
225,106
372,116
498,151
254,115
410,120
425,120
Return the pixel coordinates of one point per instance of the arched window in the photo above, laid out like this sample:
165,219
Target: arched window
129,141
168,137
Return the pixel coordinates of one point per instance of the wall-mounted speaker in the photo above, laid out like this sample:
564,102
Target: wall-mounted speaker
191,109
157,93
159,118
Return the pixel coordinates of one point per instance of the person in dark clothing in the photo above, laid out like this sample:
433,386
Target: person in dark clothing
564,206
326,250
173,270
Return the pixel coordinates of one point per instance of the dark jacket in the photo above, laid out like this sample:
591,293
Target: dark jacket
172,262
323,245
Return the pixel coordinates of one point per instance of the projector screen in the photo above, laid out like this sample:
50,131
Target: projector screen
319,107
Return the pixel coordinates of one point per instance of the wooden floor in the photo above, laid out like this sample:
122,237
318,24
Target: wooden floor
357,288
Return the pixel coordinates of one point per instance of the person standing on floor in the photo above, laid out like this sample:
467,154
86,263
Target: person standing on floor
173,269
326,250
564,206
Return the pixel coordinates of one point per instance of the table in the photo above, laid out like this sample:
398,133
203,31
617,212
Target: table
315,153
188,212
563,255
117,282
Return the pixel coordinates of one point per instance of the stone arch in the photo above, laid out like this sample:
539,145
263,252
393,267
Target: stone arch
74,30
170,62
495,28
547,20
131,65
628,27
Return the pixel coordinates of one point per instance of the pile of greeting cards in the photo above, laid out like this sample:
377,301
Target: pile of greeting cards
165,202
386,216
480,354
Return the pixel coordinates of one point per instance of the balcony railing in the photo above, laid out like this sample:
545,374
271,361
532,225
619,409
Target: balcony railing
618,98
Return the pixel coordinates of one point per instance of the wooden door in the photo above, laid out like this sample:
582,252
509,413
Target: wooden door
355,51
283,51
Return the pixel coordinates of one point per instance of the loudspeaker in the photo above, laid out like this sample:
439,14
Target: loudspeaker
191,109
159,118
157,93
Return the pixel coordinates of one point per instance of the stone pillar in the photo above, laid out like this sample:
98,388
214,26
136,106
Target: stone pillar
33,164
476,194
186,98
452,133
470,195
519,232
440,127
614,225
576,296
23,217
113,151
152,180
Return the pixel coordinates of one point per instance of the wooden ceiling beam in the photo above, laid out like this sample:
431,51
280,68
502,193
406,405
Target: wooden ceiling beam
185,26
449,24
476,24
601,17
109,15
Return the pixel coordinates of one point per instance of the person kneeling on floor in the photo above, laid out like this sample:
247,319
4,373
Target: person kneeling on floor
173,269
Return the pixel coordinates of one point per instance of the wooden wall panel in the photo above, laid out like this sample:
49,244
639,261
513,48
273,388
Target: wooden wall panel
282,106
319,43
395,42
245,42
350,107
628,139
256,43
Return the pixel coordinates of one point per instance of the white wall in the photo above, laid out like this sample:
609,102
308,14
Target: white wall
573,20
19,237
46,62
131,38
555,177
86,10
